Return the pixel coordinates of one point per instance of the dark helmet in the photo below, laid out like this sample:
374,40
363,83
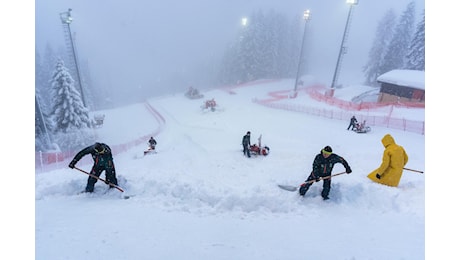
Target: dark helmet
248,133
99,148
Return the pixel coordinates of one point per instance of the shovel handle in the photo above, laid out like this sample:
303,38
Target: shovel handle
327,177
413,170
94,176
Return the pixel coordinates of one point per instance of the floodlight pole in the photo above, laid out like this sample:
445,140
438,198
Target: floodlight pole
306,17
41,121
66,19
342,50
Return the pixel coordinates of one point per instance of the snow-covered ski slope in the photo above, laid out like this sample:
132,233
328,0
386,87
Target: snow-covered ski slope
198,197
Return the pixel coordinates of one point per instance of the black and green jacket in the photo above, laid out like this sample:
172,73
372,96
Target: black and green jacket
322,167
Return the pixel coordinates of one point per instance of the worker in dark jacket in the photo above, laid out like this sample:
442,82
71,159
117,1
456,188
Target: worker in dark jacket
103,161
322,167
152,143
353,122
246,142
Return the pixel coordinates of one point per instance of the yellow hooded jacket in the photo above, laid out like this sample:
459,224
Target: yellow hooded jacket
393,161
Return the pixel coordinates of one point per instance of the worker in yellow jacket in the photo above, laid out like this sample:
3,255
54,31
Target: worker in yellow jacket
393,161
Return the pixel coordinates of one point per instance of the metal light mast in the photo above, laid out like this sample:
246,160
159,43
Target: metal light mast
306,17
342,50
66,19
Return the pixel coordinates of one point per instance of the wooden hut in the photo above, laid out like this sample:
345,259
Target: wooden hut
402,86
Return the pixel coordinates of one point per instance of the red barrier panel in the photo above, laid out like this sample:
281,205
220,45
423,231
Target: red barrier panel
43,160
318,93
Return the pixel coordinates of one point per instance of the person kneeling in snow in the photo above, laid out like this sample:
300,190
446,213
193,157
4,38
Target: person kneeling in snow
393,161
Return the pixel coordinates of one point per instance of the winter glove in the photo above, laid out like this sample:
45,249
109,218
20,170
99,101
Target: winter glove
72,164
318,179
378,176
348,170
303,189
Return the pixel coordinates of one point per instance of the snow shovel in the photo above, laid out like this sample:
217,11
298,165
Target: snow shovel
294,188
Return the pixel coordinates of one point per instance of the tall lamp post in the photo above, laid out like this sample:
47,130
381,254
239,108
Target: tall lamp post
306,17
66,19
342,50
41,121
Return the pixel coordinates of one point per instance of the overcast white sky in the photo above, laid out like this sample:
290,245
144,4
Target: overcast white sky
138,44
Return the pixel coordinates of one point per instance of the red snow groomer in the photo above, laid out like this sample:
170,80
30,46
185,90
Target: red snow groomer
259,149
209,104
361,128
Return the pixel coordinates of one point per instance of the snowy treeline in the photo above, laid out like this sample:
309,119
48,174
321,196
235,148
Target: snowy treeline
395,45
267,46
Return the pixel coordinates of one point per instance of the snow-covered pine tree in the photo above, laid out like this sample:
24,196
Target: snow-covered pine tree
398,48
70,117
416,56
68,110
382,37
